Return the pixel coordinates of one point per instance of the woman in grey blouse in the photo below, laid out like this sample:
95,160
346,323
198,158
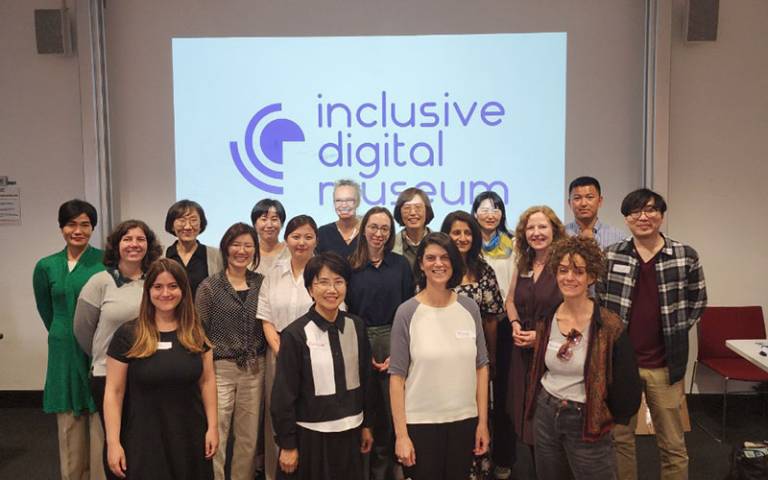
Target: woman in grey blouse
112,297
228,303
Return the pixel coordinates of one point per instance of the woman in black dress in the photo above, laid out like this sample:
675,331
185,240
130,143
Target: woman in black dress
165,362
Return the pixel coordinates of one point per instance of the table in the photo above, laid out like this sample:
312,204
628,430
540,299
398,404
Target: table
749,349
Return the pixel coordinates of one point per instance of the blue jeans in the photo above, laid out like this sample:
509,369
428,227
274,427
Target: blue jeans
561,452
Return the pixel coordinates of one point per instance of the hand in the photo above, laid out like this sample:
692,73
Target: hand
211,442
516,328
116,460
404,451
482,439
523,338
366,440
381,367
289,460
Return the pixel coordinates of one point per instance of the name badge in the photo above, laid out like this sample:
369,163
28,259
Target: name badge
164,345
463,334
620,268
527,275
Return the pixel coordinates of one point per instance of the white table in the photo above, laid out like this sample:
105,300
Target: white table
749,349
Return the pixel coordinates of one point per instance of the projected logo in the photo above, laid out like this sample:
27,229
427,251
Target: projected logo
271,139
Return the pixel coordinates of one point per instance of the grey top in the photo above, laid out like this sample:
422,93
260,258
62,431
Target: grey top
438,351
564,379
106,302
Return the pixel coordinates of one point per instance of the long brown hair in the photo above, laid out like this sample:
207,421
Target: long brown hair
525,253
359,258
190,332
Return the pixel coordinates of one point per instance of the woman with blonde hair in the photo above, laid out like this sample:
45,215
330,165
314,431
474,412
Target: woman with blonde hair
532,293
165,362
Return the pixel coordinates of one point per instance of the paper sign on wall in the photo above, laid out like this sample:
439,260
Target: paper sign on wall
10,206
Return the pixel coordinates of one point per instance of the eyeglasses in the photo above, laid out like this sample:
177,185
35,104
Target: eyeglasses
373,228
416,208
488,211
325,284
650,211
343,201
192,222
571,341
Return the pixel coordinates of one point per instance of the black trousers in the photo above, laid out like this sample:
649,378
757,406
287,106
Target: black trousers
327,456
503,437
443,450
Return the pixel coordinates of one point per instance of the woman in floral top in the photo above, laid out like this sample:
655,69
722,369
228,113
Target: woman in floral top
479,282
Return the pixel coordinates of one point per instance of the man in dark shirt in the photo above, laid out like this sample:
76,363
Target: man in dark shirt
656,285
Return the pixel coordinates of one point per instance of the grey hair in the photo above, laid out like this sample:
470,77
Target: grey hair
345,182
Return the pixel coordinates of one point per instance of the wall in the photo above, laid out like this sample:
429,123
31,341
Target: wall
604,93
718,115
719,154
40,148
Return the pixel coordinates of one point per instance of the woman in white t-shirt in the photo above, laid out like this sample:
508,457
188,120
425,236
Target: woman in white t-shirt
439,370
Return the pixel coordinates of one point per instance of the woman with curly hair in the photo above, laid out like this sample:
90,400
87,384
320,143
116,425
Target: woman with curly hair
112,297
584,377
532,293
163,362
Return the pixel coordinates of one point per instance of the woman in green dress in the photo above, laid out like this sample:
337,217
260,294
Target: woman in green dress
57,282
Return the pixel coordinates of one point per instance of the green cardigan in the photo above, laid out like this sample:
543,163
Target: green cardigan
67,387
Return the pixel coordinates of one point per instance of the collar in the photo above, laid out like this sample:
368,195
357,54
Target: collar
118,277
628,247
385,260
173,250
598,226
407,241
324,324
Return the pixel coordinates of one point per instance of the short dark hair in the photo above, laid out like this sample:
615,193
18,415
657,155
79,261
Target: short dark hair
586,248
179,209
474,261
584,182
443,241
231,234
299,221
112,248
74,208
359,257
498,203
406,196
639,198
262,208
335,263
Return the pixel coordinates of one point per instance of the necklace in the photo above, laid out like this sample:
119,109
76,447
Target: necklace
344,237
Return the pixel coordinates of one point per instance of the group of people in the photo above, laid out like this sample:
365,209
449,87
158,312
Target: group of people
354,350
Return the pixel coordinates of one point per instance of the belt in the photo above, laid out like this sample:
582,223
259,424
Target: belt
550,399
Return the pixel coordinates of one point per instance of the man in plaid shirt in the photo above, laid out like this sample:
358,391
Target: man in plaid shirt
656,285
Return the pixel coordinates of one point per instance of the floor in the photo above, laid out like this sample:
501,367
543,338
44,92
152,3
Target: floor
28,443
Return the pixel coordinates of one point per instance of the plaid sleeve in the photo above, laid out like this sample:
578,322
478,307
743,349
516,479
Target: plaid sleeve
696,290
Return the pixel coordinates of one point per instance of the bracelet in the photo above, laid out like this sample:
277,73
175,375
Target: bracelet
517,320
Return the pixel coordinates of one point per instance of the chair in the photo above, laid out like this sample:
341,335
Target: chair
719,324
